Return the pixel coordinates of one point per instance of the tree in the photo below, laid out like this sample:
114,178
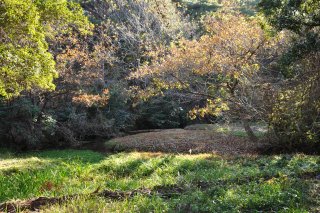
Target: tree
28,68
222,69
295,115
24,27
299,16
135,28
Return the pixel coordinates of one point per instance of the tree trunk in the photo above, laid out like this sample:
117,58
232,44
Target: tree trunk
249,131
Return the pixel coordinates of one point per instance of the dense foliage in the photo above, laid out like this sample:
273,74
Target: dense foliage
79,70
25,60
295,115
159,81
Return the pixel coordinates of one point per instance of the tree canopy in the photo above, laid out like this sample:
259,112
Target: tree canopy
73,70
296,15
24,26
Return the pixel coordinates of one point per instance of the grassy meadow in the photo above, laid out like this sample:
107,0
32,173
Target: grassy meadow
181,183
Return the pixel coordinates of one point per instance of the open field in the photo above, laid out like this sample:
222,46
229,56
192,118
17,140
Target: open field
163,182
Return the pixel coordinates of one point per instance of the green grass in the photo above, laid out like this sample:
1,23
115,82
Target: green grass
235,129
208,183
197,8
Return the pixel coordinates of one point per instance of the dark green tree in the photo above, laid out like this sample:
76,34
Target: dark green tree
297,15
301,17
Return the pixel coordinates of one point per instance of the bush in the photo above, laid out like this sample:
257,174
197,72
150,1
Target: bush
295,116
24,127
18,128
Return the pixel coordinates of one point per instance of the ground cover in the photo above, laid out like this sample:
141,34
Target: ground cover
199,138
159,182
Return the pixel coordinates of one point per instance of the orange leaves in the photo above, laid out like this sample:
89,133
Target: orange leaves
225,58
89,99
234,40
231,44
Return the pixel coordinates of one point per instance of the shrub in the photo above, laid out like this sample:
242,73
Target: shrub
18,128
295,117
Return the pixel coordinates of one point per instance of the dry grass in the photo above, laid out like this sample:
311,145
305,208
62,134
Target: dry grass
186,141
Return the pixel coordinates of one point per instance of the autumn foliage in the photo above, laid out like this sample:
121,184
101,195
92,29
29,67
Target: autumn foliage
217,67
73,71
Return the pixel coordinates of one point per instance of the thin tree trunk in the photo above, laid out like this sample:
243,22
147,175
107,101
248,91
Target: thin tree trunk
249,131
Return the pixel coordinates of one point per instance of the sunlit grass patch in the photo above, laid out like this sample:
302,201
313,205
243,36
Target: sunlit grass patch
235,129
85,204
49,173
22,164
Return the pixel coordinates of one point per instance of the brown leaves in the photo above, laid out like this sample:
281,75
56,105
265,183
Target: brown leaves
89,100
226,59
182,141
49,186
230,46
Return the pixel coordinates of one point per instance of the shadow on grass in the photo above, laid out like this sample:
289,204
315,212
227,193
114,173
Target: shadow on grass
83,156
198,183
197,8
271,183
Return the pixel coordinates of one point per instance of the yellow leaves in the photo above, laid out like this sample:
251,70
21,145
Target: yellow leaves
236,75
160,84
255,67
311,135
213,107
271,181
